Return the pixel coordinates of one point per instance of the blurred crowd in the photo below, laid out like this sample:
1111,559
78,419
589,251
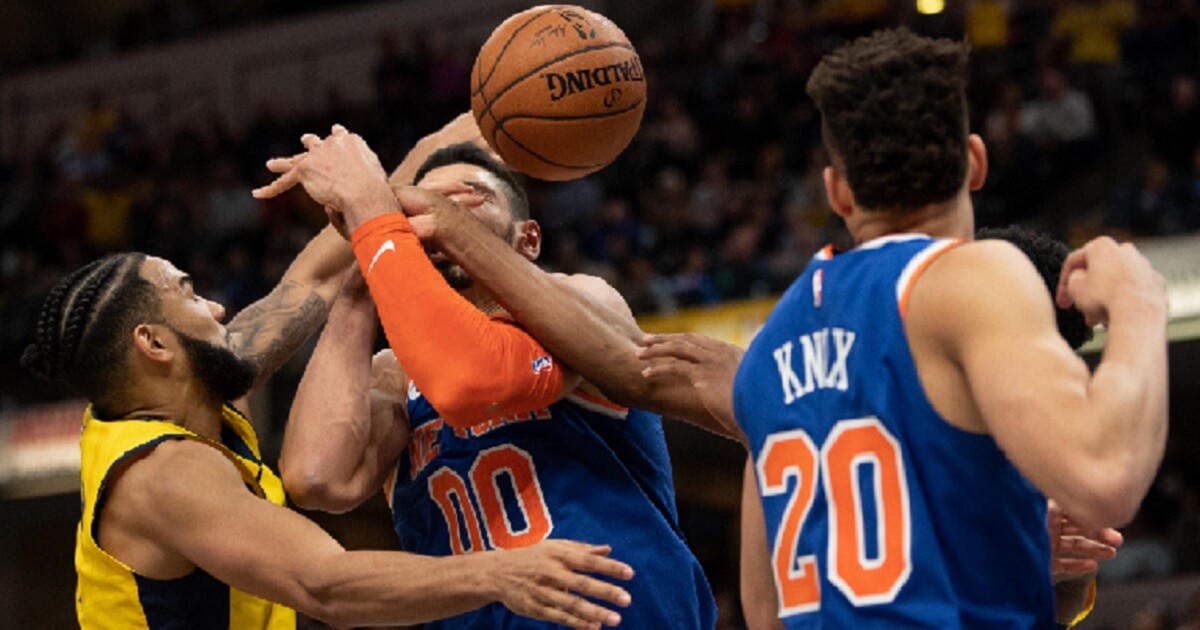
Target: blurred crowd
1090,110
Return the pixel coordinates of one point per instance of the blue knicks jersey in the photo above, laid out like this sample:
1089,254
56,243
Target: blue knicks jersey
582,469
879,513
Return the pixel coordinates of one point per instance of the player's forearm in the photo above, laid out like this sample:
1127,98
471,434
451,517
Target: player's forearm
758,597
321,263
584,334
369,587
469,366
329,426
1128,393
269,331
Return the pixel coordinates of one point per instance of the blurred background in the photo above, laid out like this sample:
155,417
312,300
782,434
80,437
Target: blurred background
144,124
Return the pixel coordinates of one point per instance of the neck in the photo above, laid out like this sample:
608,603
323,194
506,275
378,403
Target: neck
188,405
951,219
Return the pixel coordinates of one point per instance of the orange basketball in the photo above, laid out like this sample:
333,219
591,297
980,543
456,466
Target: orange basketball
558,91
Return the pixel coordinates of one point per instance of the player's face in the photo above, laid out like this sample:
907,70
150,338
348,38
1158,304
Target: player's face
481,192
203,341
182,309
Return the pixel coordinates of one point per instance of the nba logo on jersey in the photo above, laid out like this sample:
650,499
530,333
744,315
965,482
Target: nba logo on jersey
541,364
817,280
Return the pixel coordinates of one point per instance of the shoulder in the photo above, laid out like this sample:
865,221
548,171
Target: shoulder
595,289
987,286
156,491
173,470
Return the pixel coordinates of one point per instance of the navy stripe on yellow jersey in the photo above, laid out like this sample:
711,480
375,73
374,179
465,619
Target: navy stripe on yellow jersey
110,594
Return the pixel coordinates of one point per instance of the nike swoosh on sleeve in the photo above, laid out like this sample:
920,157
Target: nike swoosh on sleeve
388,245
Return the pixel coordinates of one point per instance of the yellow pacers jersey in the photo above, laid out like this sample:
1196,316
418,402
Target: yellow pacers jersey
111,595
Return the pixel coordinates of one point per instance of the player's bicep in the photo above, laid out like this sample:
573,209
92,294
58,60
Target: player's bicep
200,507
1021,375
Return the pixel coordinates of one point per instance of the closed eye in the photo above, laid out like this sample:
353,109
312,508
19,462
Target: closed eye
483,191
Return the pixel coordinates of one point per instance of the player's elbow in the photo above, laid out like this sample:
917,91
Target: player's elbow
307,487
456,402
319,602
1109,498
462,403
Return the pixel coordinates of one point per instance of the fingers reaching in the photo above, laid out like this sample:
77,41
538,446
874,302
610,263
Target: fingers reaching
277,187
1076,261
677,346
669,368
310,141
594,559
1080,548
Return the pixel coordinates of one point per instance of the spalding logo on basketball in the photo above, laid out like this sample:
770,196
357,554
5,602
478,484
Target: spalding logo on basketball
558,91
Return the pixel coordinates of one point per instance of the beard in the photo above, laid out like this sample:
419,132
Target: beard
455,276
221,372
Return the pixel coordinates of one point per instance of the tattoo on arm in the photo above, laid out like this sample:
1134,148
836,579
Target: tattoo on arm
269,331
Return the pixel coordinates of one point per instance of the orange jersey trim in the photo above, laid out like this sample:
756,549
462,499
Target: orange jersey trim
916,267
599,404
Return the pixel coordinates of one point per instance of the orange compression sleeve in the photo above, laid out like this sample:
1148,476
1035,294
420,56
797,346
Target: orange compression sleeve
470,367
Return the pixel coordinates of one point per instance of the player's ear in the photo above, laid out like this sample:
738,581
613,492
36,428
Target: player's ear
527,238
977,162
151,341
837,191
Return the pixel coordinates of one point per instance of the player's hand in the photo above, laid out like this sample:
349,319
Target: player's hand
433,209
1103,275
547,581
1074,552
387,377
708,364
339,172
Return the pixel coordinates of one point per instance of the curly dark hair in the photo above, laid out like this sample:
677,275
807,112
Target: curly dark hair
1047,254
83,331
894,117
468,153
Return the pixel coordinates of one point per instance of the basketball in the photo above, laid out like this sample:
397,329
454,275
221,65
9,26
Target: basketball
558,91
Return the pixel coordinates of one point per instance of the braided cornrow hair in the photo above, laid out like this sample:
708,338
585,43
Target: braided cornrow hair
83,328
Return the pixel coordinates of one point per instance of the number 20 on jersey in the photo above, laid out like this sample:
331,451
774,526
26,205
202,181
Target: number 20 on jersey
853,448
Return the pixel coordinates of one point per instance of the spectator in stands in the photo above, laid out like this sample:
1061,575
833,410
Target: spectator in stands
1015,167
674,134
1191,217
1092,31
1176,131
1150,206
1062,123
693,284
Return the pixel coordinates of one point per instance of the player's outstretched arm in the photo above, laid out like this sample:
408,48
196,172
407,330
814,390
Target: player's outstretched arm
274,553
582,320
461,129
470,367
269,331
341,442
760,604
1093,442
